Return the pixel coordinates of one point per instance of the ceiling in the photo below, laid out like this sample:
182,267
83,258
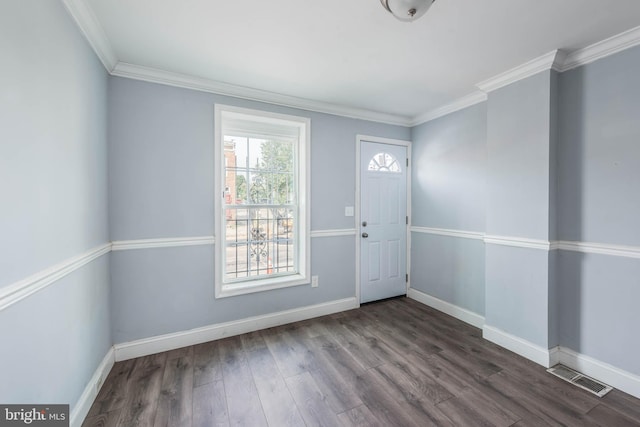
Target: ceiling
352,53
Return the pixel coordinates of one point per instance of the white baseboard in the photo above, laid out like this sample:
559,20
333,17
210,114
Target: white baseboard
542,356
554,356
608,374
615,377
80,410
157,344
459,313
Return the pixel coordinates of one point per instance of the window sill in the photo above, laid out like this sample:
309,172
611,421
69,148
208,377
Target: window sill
224,290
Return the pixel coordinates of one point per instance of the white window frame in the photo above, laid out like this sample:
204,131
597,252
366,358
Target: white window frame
303,255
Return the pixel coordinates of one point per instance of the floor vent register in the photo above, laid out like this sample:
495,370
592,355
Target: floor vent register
580,380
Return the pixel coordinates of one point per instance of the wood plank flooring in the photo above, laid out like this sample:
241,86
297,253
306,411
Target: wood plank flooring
391,363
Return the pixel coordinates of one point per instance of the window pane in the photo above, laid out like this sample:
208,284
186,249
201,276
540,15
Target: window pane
384,162
259,241
263,160
240,149
271,180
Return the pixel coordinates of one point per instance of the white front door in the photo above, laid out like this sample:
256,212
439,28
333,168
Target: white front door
383,220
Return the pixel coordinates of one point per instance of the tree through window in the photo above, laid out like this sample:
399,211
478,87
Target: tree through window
264,225
260,208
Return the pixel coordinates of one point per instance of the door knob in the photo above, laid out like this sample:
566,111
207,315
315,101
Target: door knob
364,223
365,235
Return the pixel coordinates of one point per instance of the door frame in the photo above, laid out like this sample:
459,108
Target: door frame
389,141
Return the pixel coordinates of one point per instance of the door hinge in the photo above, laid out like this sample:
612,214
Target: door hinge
406,278
407,162
407,220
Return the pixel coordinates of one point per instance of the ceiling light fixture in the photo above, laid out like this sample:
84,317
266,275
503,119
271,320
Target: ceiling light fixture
407,10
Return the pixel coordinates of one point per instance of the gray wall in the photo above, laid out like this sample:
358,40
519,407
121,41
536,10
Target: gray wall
53,182
449,191
54,121
518,133
449,170
54,340
53,151
449,268
521,204
517,292
161,185
599,155
598,201
599,297
581,186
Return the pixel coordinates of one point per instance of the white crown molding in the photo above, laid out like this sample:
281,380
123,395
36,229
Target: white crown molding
602,49
17,291
608,374
558,60
459,104
124,245
154,75
600,248
86,20
334,233
88,23
175,340
552,60
447,232
533,352
452,310
80,410
519,242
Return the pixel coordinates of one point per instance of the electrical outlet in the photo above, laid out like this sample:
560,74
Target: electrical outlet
314,281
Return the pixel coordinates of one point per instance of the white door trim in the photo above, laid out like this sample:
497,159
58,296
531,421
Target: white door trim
401,142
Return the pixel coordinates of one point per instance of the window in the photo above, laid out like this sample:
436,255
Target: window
384,162
262,218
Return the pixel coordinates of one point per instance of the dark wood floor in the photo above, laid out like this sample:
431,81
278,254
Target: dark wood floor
392,363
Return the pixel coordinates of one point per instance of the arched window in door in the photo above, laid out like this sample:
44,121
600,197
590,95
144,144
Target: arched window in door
384,162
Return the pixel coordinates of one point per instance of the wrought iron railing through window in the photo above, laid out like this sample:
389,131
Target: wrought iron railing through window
259,241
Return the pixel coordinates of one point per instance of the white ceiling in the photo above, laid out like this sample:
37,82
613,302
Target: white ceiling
352,53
